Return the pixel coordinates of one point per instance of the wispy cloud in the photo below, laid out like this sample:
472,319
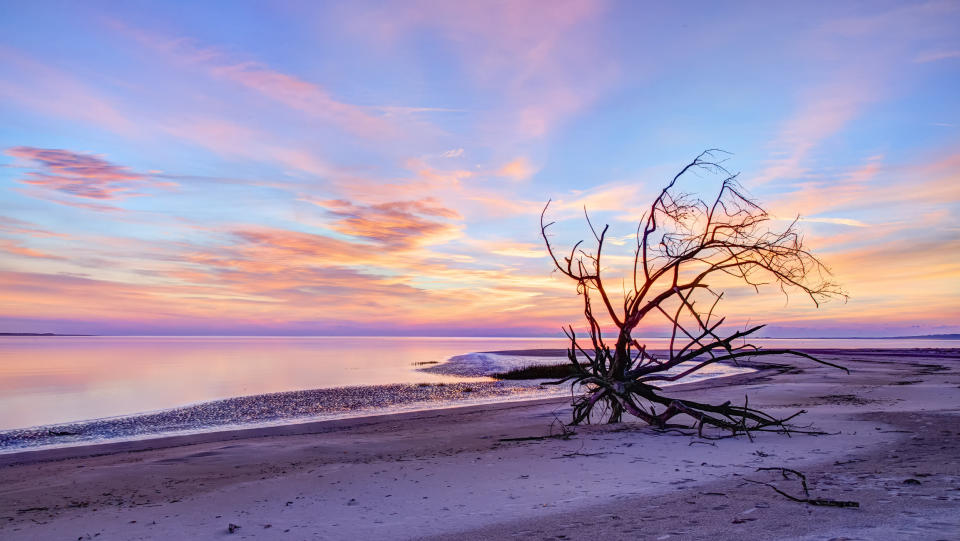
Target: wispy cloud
14,226
55,93
16,248
875,48
823,114
308,97
545,64
816,196
304,96
510,248
933,56
836,221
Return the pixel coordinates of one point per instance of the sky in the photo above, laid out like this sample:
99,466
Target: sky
378,168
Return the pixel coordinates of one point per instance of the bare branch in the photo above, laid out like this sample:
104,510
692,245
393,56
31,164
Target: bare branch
681,242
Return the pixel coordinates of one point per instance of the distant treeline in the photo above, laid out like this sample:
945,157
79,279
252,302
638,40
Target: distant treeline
39,334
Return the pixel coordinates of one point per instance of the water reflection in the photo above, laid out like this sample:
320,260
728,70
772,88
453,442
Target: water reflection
52,380
60,379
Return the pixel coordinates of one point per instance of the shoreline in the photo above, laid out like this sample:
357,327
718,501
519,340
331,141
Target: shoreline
33,456
295,427
226,415
472,472
472,386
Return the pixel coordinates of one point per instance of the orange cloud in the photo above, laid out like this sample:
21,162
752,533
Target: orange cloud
16,248
508,248
519,169
396,225
280,276
445,185
612,197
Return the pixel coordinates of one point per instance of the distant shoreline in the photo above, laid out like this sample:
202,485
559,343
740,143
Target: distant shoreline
948,336
914,337
40,334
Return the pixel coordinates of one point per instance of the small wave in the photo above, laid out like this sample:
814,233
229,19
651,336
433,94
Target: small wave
488,364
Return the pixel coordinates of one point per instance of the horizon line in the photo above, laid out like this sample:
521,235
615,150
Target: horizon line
935,336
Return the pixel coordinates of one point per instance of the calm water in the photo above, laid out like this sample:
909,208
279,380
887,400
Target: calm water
52,380
48,380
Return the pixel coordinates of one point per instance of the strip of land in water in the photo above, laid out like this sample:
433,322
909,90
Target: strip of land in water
893,425
40,334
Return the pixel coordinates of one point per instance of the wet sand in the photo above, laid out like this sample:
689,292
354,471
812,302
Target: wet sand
894,426
265,410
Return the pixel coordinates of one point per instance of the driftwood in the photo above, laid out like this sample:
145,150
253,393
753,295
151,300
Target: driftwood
822,502
540,438
682,242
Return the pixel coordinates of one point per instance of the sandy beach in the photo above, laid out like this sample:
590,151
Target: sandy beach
893,446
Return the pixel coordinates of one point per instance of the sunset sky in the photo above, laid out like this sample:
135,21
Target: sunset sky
380,168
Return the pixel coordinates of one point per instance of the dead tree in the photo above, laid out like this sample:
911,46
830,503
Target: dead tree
683,243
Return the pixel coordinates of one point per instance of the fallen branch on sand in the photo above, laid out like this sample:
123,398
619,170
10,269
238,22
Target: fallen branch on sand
538,438
787,472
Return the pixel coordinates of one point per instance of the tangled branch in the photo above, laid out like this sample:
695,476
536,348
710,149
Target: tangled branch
682,242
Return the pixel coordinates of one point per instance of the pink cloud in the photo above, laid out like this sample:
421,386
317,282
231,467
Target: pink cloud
222,136
19,227
78,174
304,96
481,197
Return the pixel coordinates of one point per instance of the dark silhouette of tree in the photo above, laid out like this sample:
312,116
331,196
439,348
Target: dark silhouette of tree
683,243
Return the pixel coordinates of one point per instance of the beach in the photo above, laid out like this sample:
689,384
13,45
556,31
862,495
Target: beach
493,471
